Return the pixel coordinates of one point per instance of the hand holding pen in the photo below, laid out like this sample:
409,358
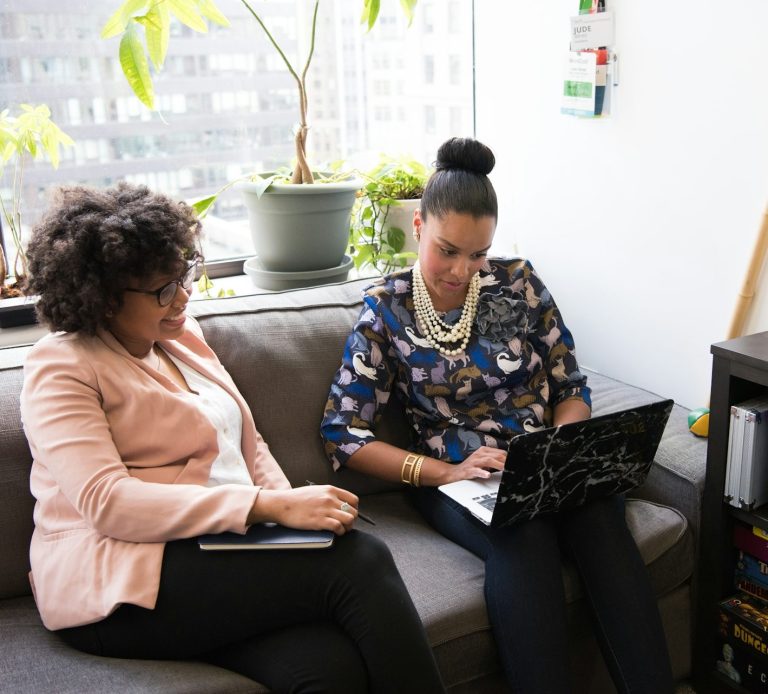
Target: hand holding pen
346,508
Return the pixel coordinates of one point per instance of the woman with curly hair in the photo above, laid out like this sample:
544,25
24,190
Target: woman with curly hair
141,442
477,352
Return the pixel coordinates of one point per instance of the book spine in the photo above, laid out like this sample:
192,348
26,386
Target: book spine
752,568
731,469
742,666
746,540
745,623
756,590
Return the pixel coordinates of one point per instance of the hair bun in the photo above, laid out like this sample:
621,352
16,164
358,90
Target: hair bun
467,154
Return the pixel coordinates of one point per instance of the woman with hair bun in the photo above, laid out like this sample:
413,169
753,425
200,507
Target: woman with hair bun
141,442
477,351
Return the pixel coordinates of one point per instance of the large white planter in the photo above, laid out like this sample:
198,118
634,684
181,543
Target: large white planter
400,216
300,227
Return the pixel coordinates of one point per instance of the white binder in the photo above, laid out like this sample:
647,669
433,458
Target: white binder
746,473
753,484
733,465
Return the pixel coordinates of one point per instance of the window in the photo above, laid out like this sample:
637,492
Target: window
228,104
429,69
454,70
430,119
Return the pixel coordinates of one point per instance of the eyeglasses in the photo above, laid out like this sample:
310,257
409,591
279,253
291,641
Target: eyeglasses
167,292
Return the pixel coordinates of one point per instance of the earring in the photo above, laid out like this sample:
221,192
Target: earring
416,235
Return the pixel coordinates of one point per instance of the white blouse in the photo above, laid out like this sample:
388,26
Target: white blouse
222,411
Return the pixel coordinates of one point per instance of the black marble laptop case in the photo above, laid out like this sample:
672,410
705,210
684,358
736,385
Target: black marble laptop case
563,467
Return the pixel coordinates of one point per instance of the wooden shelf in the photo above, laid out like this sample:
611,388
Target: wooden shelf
739,372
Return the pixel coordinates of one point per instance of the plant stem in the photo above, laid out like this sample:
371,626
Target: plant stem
302,173
13,219
3,268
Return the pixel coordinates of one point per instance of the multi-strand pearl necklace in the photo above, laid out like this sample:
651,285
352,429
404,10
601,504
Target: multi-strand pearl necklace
438,333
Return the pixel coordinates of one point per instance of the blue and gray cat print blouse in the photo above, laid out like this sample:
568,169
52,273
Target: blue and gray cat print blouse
518,365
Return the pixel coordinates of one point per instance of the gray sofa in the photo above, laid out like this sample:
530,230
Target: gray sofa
282,350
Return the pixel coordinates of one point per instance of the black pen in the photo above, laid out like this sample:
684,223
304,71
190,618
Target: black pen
360,515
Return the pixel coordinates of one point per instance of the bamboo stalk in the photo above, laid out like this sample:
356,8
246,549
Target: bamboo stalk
747,292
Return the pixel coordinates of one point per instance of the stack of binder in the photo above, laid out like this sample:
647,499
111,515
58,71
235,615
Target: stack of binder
746,476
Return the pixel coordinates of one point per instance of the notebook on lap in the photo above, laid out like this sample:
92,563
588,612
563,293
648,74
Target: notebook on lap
559,468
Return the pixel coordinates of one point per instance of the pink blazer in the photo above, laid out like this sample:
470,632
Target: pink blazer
121,459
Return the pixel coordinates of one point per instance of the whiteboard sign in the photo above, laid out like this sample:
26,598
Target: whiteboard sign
592,31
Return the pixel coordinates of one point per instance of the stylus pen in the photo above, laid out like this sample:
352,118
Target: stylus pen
360,514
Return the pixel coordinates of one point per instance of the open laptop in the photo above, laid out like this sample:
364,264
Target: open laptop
559,468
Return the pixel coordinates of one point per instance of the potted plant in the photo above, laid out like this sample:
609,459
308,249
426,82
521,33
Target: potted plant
30,134
300,245
382,219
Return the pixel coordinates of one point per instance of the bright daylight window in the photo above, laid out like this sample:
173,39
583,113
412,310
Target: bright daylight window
227,103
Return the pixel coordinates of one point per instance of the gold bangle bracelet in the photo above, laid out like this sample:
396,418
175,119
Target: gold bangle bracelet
417,471
406,472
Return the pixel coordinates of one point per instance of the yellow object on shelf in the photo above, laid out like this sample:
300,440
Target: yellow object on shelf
698,422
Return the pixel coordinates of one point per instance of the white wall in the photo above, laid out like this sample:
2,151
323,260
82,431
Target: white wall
641,224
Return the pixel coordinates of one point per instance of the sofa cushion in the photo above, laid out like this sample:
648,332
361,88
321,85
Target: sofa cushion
678,477
282,351
446,581
36,660
17,501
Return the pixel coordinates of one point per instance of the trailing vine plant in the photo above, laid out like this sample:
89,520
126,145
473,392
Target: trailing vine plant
374,242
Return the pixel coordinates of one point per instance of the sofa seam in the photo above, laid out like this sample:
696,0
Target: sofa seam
477,630
281,309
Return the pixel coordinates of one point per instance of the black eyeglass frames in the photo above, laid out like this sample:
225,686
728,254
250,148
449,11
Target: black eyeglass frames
167,292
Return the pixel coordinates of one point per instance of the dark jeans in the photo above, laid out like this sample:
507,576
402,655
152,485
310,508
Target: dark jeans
335,620
525,595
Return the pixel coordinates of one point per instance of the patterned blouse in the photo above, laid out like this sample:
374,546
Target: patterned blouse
518,365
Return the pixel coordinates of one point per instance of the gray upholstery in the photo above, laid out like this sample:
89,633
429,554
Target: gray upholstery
282,351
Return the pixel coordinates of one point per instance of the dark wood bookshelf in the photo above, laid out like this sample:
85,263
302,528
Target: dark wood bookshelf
739,372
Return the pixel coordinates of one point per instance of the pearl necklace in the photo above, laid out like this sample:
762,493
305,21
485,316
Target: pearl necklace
438,332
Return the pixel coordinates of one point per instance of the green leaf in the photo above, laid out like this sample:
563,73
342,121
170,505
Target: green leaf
209,9
186,12
370,13
51,146
117,22
408,8
204,205
363,255
204,283
52,138
9,150
262,184
135,66
157,30
396,238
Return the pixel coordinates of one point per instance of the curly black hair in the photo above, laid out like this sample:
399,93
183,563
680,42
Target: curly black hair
92,242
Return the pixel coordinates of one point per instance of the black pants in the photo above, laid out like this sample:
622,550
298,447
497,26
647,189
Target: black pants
526,598
336,620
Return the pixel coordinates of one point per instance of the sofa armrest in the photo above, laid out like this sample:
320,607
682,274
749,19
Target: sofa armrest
677,476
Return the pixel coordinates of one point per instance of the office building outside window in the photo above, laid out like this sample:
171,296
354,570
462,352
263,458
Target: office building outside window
227,105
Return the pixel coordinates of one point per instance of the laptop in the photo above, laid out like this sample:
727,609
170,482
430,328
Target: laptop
560,468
